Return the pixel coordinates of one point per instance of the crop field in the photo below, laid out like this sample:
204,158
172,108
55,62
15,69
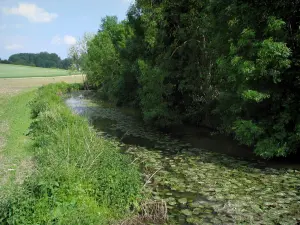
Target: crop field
15,85
16,71
14,78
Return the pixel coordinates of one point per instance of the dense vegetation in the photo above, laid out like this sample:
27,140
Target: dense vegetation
232,64
79,178
42,59
4,61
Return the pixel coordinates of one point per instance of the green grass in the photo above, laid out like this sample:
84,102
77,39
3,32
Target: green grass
15,115
79,178
15,158
17,71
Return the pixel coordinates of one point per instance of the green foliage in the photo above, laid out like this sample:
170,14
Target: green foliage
246,131
273,58
275,24
153,94
4,61
104,67
268,148
79,179
255,95
206,62
103,59
43,59
255,69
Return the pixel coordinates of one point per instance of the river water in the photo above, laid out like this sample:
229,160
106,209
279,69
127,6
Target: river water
204,178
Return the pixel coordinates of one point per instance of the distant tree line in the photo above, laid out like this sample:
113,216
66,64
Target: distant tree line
4,61
42,59
230,64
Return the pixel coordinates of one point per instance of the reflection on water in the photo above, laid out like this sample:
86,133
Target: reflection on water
194,171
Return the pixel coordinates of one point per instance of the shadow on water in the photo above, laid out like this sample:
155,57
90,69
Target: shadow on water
110,119
204,178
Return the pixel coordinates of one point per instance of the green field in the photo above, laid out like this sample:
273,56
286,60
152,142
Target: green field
14,71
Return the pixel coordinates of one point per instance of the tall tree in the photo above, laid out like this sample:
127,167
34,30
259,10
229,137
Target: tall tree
229,64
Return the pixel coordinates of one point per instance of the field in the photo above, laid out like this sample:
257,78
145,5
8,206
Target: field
14,78
16,71
14,85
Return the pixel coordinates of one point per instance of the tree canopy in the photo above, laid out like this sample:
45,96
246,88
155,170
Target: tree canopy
42,59
229,64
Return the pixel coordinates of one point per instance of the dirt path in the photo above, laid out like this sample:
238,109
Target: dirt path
14,85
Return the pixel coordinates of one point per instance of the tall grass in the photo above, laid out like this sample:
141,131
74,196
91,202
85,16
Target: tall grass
79,179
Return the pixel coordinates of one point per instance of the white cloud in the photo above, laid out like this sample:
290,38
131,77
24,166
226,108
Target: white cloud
67,39
13,47
32,12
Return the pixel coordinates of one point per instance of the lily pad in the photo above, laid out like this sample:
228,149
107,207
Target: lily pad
182,201
197,211
157,197
195,204
194,220
172,203
186,212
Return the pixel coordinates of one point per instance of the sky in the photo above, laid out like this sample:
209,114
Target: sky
43,25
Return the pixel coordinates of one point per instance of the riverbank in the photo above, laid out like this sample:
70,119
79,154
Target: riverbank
78,178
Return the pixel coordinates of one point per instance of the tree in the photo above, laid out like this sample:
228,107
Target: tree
77,53
66,63
233,65
42,59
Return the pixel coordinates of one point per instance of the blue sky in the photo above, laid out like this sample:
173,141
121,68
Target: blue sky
52,26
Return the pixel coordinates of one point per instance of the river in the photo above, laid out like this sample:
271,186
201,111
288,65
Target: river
205,178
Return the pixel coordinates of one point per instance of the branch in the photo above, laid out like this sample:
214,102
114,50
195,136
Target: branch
151,177
183,45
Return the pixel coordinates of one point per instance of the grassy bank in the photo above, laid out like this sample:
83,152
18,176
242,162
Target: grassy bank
15,157
79,178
